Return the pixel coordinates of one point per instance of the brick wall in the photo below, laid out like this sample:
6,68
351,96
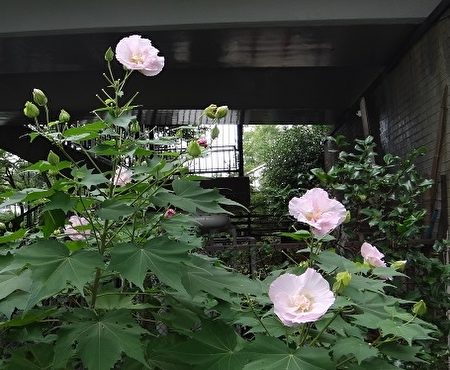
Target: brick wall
404,108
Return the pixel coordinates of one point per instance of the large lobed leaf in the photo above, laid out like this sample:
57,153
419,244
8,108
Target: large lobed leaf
100,340
268,353
53,267
160,255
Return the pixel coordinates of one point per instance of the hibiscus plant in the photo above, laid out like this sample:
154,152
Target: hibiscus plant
113,274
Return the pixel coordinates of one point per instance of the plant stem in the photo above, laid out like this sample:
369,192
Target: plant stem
325,327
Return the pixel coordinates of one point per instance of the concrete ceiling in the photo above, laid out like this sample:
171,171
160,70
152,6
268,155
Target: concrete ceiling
315,56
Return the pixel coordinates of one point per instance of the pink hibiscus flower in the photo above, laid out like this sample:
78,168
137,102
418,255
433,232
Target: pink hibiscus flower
138,54
299,299
316,209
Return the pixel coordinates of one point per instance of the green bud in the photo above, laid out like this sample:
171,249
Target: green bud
134,127
109,55
348,217
221,111
64,116
399,265
52,158
211,111
39,97
194,149
420,308
337,286
215,132
30,110
2,226
362,197
344,277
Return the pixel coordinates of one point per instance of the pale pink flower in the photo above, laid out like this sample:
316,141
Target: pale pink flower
372,255
203,142
169,213
72,230
300,298
122,176
316,209
138,54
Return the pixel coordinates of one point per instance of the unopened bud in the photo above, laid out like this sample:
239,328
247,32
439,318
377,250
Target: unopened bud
194,149
203,142
215,132
399,265
63,116
221,111
211,111
109,55
134,127
420,308
169,213
39,97
2,226
344,277
52,158
30,110
348,217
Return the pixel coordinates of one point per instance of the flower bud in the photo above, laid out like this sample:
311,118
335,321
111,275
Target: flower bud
203,142
30,110
52,158
63,116
215,132
348,217
169,213
210,111
2,226
344,277
109,55
134,127
399,265
194,149
39,97
420,308
221,111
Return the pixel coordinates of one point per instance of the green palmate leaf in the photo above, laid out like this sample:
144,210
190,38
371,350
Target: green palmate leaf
26,195
267,353
270,324
86,177
199,275
330,261
215,347
408,331
401,351
18,299
123,121
52,267
190,197
373,364
52,220
86,132
43,166
182,227
10,237
114,209
298,235
351,346
100,340
160,255
60,200
27,319
11,281
31,357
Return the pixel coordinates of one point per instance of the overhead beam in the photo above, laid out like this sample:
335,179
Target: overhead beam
83,15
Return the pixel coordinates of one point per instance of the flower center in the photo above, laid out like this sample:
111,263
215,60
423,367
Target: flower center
302,303
314,215
137,58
